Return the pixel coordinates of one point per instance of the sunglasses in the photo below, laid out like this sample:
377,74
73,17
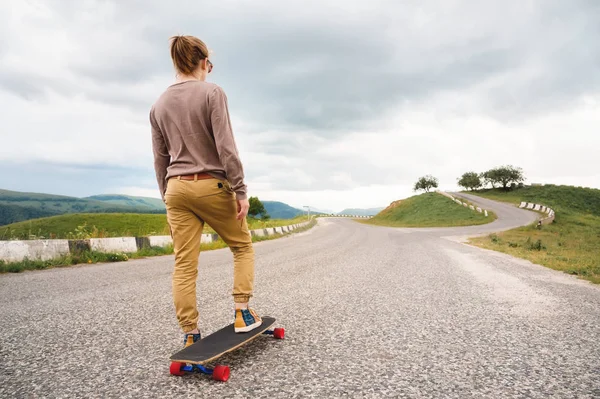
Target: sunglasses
210,65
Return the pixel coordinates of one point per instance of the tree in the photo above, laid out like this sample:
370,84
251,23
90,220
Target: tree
257,208
470,181
488,178
426,183
504,175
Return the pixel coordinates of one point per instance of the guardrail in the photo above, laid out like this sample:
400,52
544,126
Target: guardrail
18,250
346,216
549,218
466,205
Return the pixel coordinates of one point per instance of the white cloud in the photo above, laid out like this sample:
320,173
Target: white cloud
73,130
334,104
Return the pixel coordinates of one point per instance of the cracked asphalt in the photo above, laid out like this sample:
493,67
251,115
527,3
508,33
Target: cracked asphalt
368,312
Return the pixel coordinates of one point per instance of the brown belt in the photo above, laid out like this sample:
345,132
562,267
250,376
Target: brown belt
196,176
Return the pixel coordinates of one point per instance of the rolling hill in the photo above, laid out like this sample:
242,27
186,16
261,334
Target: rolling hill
86,225
127,200
563,199
19,206
571,243
15,213
277,210
428,210
280,210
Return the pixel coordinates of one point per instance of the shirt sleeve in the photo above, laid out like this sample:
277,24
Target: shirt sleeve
225,142
161,155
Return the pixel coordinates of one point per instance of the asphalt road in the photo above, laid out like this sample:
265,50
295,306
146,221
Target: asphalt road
368,312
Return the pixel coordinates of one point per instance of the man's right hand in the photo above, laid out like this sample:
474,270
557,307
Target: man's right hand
243,207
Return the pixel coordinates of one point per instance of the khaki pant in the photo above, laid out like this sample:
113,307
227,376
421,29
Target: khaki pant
189,205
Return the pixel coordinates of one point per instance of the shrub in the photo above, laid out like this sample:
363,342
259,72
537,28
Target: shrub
534,246
118,257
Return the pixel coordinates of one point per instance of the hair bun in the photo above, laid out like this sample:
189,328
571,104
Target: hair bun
187,52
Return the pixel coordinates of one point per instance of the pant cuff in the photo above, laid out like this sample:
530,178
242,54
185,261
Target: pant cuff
241,298
187,329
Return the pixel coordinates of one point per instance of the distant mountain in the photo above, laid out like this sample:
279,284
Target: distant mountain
279,210
361,212
15,213
324,211
127,200
20,206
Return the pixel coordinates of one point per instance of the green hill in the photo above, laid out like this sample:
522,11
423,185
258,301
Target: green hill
82,225
54,203
279,210
155,204
428,210
15,213
571,243
560,198
95,225
19,206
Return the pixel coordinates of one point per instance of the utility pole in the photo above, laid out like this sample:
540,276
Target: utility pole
308,210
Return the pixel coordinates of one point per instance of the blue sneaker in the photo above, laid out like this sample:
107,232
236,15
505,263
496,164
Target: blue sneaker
189,339
246,320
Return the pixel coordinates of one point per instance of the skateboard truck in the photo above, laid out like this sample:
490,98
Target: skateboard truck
278,333
219,372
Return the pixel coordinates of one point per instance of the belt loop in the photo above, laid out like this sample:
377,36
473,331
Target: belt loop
179,178
195,176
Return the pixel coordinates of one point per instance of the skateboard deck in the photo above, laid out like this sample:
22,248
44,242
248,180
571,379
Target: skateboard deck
213,346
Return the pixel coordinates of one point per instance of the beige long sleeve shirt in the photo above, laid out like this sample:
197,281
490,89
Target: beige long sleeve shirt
191,133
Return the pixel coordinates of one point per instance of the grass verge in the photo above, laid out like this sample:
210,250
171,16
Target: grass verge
90,257
570,244
428,210
102,225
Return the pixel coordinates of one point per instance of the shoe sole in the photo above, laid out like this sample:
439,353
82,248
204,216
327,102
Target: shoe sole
248,328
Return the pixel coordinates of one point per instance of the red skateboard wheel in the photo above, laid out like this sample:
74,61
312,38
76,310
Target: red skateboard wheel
221,373
175,368
279,333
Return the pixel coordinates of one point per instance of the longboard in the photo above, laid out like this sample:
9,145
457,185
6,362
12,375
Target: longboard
194,357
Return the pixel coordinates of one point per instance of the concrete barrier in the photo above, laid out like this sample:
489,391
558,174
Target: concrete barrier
258,233
347,216
15,251
208,238
113,244
466,205
160,241
445,194
540,208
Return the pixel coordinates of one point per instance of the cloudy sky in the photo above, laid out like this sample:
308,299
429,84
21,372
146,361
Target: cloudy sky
334,103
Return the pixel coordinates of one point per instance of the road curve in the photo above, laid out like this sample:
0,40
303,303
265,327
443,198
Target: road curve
369,312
